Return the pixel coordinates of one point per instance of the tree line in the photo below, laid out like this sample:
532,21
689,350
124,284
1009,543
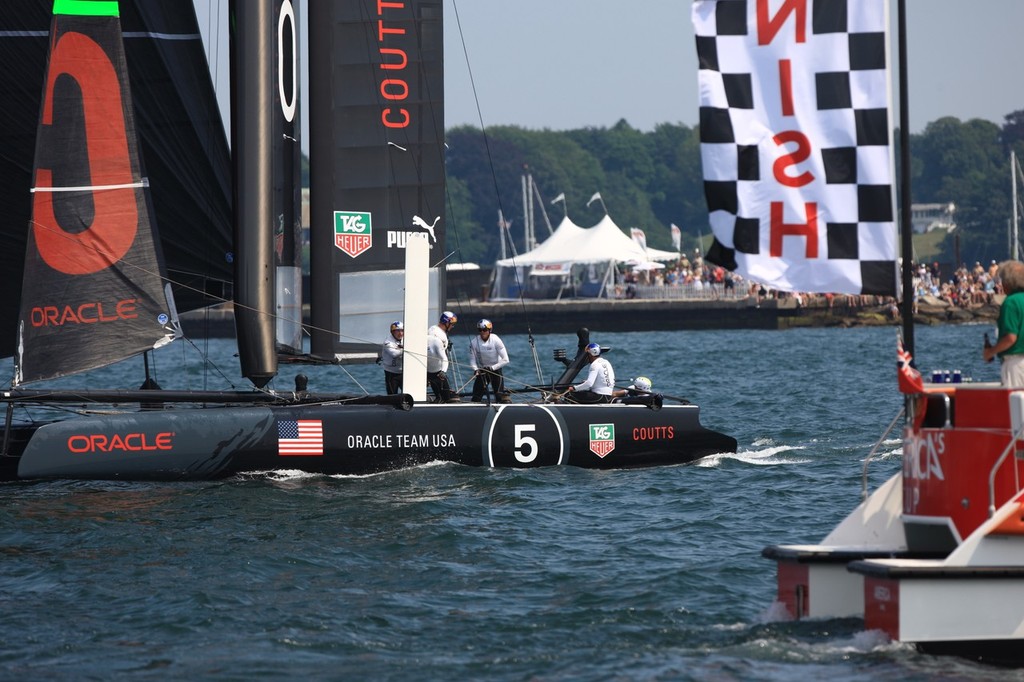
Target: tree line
653,179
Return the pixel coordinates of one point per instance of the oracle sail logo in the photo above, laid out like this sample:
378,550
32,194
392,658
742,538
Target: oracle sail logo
120,442
85,313
101,130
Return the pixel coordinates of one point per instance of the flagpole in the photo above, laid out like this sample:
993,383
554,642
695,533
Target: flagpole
502,232
565,206
906,216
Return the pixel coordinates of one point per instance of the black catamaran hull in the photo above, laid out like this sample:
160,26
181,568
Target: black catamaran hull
217,442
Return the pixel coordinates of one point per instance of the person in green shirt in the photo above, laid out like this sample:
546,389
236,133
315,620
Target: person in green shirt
1010,346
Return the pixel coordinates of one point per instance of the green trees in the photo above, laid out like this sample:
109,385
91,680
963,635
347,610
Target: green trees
967,164
652,179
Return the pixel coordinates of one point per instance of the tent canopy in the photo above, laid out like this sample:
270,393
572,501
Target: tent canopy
601,243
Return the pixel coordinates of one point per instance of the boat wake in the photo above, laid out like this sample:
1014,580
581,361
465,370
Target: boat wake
889,449
292,475
765,453
808,640
818,650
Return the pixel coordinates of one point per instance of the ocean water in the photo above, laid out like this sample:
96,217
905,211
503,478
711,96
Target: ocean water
445,572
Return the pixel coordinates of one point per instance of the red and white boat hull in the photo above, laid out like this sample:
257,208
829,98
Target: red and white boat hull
935,556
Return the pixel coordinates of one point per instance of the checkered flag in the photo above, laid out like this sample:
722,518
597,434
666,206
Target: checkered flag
796,142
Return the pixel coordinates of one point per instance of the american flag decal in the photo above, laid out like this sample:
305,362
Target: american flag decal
302,437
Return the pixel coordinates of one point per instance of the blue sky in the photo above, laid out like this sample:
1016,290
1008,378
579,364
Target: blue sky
563,64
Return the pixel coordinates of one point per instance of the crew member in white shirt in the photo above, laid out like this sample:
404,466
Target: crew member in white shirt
600,384
437,358
391,355
487,355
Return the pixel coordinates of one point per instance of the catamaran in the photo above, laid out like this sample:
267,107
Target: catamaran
124,207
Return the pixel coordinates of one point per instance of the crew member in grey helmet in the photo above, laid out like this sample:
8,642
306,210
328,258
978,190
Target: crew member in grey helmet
391,354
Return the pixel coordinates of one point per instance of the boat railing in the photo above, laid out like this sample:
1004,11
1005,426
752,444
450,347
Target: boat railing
1016,400
867,460
1011,447
690,292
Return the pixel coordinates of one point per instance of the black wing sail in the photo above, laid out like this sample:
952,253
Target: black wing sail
265,140
181,134
23,44
381,123
184,146
93,289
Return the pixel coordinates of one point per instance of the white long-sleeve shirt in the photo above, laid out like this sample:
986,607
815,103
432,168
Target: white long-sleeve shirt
600,380
391,355
437,350
490,353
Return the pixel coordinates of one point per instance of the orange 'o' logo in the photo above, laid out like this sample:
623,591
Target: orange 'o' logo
115,215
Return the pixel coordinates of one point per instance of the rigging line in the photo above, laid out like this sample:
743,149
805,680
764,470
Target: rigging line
509,380
354,380
213,60
490,164
182,285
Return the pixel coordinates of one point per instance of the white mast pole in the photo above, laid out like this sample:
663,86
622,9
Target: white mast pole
1013,177
502,230
526,218
529,197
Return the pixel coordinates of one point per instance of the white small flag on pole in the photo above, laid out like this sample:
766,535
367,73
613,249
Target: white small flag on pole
677,236
560,197
639,237
596,197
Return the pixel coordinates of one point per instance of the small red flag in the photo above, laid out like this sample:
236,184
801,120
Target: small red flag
909,378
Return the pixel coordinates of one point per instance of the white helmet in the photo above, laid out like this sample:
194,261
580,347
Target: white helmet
642,384
593,349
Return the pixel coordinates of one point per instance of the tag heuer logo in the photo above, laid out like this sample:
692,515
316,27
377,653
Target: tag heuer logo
352,232
602,439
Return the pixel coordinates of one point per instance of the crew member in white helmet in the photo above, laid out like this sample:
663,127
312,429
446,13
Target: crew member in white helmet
487,355
640,386
391,353
437,358
600,384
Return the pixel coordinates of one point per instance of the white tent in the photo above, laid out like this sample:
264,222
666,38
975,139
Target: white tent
592,252
603,242
551,249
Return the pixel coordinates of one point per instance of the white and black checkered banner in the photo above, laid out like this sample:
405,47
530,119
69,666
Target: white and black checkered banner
796,141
